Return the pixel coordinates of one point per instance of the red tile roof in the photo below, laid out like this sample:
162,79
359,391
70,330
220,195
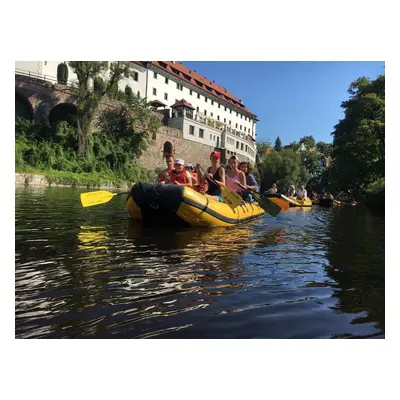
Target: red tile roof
181,103
157,103
183,72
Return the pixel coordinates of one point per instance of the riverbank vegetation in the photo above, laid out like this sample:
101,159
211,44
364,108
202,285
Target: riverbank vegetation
97,145
354,163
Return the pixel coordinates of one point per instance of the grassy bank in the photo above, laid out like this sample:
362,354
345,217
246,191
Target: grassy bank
94,179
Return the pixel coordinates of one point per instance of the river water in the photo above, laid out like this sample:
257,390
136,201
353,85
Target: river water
94,273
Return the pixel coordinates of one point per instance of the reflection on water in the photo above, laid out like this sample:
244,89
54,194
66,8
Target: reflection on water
94,273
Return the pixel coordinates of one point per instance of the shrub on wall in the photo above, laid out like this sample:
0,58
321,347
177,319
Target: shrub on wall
62,73
98,84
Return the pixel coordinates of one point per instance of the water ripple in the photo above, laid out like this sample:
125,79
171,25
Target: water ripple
93,273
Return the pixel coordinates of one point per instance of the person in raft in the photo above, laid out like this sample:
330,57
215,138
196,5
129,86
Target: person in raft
235,176
215,172
272,189
169,159
189,167
250,180
179,175
302,194
291,191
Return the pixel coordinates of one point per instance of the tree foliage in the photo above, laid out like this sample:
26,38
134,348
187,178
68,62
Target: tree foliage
89,100
308,141
324,148
359,138
278,144
261,147
283,168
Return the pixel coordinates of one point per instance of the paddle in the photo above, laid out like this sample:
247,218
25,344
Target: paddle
230,197
281,203
268,206
98,197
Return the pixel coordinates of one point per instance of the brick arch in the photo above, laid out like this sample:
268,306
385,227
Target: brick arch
23,107
63,111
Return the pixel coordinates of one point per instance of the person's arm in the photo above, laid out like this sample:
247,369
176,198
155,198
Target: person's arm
221,176
242,178
253,183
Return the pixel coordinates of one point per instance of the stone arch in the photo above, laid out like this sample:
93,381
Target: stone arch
63,112
23,107
168,149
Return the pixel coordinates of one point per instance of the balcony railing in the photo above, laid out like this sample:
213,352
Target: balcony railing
47,78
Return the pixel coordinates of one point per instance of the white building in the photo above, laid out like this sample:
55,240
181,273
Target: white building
205,111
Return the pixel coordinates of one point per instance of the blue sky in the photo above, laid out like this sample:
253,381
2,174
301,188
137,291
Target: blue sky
291,99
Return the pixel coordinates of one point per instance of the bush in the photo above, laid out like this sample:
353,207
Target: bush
62,73
98,84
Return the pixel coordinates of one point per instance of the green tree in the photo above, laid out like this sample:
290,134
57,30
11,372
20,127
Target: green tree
89,100
278,144
324,148
313,162
261,147
359,138
308,141
283,168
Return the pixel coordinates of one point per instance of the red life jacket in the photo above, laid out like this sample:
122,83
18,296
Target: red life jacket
181,178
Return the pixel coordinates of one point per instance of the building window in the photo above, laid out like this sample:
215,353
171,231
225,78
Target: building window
191,130
210,137
225,120
225,108
45,63
212,102
138,94
241,146
217,117
240,127
230,123
236,125
212,114
190,91
198,95
245,118
219,105
237,114
241,116
179,86
135,76
154,92
205,112
197,109
165,96
230,111
237,145
201,133
155,75
166,81
246,148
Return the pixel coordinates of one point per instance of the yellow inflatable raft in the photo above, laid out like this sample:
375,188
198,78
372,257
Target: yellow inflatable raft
175,204
294,202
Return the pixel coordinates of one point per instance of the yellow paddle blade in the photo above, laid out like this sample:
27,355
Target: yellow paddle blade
230,197
94,198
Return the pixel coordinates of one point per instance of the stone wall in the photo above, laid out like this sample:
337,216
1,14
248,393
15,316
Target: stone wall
181,148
